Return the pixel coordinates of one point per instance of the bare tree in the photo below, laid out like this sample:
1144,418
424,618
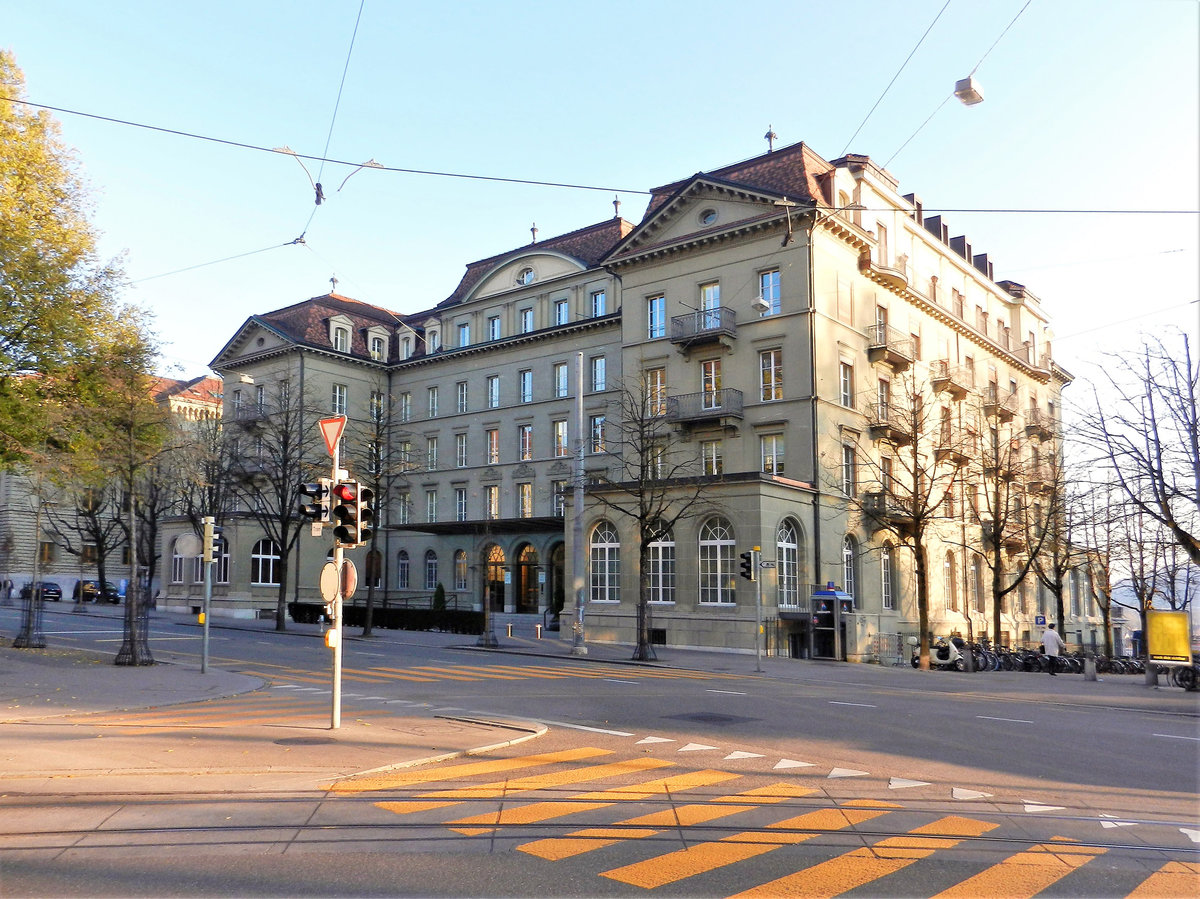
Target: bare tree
1150,434
273,448
86,522
919,446
654,482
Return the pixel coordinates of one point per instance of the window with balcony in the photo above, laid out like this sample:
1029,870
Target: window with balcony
710,383
710,305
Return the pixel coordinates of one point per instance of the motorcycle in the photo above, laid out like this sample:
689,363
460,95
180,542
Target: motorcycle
944,655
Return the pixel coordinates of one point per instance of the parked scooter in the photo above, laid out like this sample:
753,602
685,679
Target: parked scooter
944,655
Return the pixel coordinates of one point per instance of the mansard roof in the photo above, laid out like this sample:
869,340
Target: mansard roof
588,246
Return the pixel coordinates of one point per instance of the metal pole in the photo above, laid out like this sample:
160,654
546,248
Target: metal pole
207,603
335,712
579,560
758,632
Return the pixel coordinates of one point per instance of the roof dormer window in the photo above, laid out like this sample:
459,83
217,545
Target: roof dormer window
340,331
341,340
377,343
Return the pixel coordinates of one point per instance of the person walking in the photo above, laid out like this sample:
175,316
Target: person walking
1052,645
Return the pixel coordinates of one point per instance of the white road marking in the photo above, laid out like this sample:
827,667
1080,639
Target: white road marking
1175,737
792,763
1110,824
1193,835
862,705
593,730
1031,807
960,793
613,680
1010,720
743,755
695,747
903,783
727,692
654,740
848,772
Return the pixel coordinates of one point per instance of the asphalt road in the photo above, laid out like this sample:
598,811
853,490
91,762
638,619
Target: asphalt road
697,776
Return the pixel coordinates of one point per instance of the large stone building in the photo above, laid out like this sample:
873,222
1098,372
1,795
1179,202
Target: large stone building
814,344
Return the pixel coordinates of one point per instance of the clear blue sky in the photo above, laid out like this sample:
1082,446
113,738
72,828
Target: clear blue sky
1088,106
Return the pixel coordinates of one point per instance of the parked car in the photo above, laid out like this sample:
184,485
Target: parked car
92,592
48,589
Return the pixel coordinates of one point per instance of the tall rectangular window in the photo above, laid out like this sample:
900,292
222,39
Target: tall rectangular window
562,312
525,442
404,455
710,383
377,348
599,303
770,366
846,384
561,379
493,391
710,453
260,399
524,500
460,392
376,406
492,436
339,399
493,323
561,446
431,510
656,391
596,429
849,470
404,507
710,306
464,334
491,501
433,402
598,373
525,379
460,450
768,289
560,498
431,453
656,316
460,503
772,453
526,320
405,406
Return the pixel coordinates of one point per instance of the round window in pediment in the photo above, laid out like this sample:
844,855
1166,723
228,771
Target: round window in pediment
708,217
525,276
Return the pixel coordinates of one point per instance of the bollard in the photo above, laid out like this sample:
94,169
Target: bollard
538,628
1089,668
509,626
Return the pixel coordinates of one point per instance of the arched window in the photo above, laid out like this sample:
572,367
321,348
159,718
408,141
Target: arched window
402,572
849,560
460,570
264,563
887,577
606,564
662,565
950,583
717,570
177,563
431,570
787,564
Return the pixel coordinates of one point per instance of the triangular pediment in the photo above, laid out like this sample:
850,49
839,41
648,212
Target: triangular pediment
254,340
701,209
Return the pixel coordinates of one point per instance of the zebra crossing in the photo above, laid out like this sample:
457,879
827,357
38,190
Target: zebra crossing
686,823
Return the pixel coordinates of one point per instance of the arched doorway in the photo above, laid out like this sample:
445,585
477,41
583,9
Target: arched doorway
493,577
556,587
526,580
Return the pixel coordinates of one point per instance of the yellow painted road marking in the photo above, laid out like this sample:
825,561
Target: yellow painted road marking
1025,874
1172,879
544,811
399,674
865,865
684,863
582,841
445,673
472,673
502,788
393,779
411,808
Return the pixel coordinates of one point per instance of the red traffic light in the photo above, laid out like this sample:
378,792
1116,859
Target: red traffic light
346,492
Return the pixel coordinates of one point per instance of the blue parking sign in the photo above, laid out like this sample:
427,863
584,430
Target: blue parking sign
1039,620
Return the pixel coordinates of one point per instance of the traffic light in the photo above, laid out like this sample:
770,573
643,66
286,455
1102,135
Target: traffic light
749,571
314,500
352,516
211,540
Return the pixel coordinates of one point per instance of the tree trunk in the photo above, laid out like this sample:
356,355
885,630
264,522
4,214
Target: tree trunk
919,558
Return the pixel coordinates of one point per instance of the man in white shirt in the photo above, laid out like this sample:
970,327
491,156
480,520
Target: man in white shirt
1052,644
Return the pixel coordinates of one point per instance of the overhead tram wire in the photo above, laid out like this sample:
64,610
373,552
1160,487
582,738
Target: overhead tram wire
533,182
972,72
179,271
894,77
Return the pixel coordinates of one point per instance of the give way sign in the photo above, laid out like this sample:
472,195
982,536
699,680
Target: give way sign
331,430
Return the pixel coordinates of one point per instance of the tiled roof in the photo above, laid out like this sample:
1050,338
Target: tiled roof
588,245
307,322
204,389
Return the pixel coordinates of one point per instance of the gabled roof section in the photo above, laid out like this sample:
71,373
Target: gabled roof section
204,389
794,172
588,246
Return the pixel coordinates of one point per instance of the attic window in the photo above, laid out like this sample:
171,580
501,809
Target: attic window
341,340
708,216
525,276
260,341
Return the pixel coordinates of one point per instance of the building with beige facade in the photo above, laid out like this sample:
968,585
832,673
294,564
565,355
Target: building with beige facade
813,342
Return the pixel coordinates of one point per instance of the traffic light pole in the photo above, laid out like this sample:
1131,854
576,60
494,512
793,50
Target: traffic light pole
758,631
339,558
